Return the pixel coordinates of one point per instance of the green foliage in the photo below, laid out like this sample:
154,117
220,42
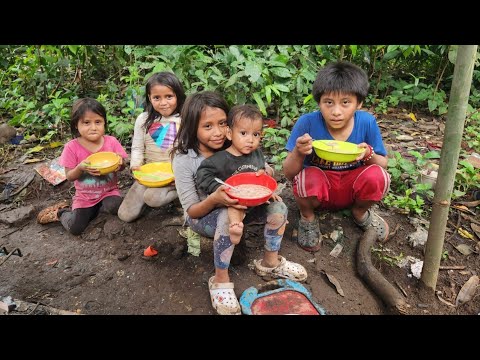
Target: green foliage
120,126
471,134
408,202
422,160
445,255
466,177
400,170
407,193
40,82
384,255
273,143
381,105
419,94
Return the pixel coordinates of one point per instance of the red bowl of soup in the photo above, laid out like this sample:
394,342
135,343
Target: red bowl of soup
252,190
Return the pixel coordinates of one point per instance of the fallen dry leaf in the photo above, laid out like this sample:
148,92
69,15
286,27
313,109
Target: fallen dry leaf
464,209
467,291
464,249
335,282
476,229
404,138
443,300
29,161
470,203
4,171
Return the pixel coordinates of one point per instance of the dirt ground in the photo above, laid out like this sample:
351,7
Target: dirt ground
102,271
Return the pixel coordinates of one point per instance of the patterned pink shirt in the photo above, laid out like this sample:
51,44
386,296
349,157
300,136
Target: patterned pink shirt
90,190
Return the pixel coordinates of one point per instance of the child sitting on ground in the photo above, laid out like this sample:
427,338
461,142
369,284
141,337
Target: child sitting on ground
92,190
245,126
202,135
153,136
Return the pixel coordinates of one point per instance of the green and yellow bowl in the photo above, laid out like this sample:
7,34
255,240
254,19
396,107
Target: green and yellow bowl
337,151
156,174
105,161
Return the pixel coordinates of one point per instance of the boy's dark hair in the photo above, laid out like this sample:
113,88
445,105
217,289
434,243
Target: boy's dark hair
191,113
341,77
243,111
167,79
80,107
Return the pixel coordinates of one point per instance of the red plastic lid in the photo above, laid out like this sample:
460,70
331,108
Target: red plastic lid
282,303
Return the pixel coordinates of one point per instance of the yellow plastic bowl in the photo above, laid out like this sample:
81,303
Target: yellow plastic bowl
337,151
105,161
156,174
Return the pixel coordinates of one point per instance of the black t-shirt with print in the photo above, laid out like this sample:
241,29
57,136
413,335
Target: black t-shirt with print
223,165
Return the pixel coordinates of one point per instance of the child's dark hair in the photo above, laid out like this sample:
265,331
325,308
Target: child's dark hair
167,79
341,77
243,111
80,107
191,113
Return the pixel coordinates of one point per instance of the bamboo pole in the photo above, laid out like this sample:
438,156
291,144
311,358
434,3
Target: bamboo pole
457,108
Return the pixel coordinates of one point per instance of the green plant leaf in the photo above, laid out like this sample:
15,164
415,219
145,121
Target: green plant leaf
391,48
34,149
268,94
432,105
432,155
281,72
73,49
253,71
391,55
300,85
235,52
260,103
275,90
232,80
307,99
282,87
55,144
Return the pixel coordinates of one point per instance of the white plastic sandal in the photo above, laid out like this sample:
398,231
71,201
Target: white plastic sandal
286,270
223,298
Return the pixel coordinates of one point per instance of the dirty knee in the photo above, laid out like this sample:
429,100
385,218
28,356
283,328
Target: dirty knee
275,221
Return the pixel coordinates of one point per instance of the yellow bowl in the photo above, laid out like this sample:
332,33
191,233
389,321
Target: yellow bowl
105,161
156,174
337,151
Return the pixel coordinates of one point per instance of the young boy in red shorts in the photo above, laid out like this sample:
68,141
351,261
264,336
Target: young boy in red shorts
339,90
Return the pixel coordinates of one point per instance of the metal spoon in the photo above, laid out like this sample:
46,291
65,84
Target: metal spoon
224,183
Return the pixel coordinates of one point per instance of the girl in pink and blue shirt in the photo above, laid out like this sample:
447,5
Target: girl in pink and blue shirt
92,190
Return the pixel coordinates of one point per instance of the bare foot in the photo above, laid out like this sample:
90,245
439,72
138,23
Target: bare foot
236,231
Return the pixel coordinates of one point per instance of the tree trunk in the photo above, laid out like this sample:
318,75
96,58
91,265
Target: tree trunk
457,107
